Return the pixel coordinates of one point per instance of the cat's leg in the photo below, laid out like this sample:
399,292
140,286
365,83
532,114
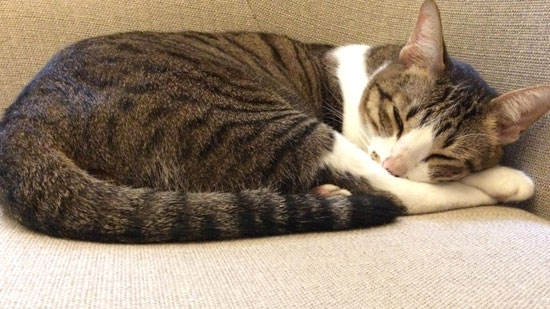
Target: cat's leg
502,183
347,158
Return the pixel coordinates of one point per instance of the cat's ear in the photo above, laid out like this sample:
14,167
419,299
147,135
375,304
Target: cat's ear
517,110
426,47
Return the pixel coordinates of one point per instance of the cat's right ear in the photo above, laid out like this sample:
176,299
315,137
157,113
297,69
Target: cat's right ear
426,47
517,110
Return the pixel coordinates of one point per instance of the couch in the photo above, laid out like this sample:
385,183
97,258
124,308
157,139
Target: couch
496,256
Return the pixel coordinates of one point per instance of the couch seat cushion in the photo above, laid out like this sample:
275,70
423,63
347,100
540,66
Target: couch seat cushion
479,257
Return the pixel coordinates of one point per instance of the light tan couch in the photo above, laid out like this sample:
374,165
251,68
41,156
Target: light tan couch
490,256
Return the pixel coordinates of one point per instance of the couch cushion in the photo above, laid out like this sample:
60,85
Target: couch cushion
479,257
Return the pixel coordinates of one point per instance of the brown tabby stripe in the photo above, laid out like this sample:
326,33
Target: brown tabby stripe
449,141
303,68
412,112
277,57
385,122
440,157
426,116
257,130
211,42
383,95
290,142
470,164
219,134
447,171
252,56
398,121
370,111
443,128
246,139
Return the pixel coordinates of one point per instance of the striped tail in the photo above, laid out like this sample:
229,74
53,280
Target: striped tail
47,192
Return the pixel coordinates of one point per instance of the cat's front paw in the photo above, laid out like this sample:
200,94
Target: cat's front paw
330,190
504,184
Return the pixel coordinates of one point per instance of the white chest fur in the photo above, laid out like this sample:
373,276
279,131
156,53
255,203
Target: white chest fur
352,78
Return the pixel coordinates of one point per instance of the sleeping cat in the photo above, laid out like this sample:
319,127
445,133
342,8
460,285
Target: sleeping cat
157,137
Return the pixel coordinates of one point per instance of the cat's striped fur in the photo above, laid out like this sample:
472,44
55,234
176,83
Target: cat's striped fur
155,137
178,114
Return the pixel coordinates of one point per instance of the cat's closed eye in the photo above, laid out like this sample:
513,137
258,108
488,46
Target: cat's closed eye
374,155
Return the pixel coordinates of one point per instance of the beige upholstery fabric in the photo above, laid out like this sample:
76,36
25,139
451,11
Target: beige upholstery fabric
488,257
482,257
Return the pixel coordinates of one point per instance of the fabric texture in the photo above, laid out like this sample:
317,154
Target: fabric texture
487,257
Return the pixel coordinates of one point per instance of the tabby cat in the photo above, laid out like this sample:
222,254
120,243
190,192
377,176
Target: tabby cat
158,137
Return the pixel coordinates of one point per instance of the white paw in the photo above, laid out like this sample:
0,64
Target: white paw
503,183
330,190
515,188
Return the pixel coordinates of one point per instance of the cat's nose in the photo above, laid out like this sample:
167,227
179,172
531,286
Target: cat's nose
395,165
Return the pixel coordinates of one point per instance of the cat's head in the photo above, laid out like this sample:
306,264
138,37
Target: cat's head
431,118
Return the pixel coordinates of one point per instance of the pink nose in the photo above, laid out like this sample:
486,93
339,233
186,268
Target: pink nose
395,165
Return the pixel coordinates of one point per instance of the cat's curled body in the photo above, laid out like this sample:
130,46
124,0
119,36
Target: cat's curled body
155,137
180,113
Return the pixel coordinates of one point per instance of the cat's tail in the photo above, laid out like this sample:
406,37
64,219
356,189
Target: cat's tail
48,192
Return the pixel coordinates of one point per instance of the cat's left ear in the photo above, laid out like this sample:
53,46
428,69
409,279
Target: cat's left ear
426,47
517,110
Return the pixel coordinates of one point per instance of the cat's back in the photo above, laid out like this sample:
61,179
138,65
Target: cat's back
111,97
180,66
139,62
113,60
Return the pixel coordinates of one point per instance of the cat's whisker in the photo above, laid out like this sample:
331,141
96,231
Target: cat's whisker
364,136
365,141
476,151
473,134
335,112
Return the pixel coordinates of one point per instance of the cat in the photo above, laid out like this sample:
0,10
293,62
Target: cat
165,137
